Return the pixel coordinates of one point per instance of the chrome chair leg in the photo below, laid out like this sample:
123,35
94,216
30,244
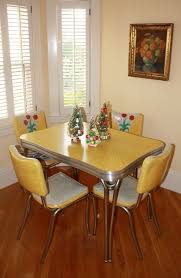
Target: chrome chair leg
50,234
150,216
133,232
94,201
155,220
87,215
25,216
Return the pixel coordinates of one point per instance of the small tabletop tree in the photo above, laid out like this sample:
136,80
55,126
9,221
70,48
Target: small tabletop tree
75,125
93,137
102,123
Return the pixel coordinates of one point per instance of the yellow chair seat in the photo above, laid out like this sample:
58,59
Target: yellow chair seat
127,196
63,190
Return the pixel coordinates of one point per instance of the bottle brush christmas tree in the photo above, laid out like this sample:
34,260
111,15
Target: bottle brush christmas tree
93,137
75,125
102,123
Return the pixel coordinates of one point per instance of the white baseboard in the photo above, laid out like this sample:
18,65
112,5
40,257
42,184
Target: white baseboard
172,182
7,177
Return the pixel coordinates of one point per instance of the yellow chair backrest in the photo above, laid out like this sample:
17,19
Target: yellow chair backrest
29,172
128,122
154,170
28,123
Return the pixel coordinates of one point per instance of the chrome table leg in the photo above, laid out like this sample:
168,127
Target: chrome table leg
114,202
108,221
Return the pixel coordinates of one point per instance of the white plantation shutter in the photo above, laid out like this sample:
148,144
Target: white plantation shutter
3,92
73,33
73,43
16,90
18,17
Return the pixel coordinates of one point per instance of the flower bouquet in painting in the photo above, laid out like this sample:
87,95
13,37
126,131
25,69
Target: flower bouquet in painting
102,123
151,50
75,125
93,137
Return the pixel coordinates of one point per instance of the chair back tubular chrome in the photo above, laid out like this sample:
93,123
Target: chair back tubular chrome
29,172
136,126
154,170
21,122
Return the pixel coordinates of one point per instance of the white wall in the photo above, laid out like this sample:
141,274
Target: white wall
159,101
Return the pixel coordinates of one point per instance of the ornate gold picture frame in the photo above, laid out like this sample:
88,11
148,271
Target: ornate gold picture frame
150,50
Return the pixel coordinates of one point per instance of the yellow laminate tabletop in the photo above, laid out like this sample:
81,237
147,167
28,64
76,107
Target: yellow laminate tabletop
109,160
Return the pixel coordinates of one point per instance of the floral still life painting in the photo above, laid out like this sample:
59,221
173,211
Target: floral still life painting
150,50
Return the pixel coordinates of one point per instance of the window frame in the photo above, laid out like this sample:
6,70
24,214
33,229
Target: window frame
56,113
6,127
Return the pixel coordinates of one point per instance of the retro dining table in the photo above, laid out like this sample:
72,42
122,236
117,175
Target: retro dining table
110,161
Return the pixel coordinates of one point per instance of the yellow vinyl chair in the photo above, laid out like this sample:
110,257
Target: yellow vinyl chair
132,191
58,192
33,122
127,122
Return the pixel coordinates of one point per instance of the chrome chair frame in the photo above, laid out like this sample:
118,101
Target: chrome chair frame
129,211
53,218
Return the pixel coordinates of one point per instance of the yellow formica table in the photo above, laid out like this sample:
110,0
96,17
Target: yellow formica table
110,161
